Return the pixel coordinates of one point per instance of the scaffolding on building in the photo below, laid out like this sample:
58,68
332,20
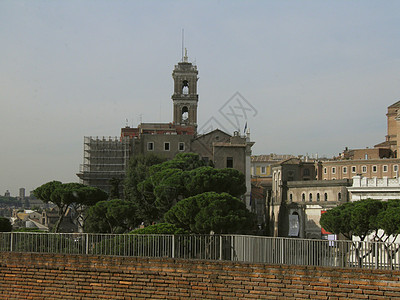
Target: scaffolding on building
104,158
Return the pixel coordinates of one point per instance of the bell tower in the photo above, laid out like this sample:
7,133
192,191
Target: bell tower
185,95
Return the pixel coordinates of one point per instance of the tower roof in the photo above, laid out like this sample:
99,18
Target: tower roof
397,104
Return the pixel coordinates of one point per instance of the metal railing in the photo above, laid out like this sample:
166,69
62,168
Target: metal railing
243,248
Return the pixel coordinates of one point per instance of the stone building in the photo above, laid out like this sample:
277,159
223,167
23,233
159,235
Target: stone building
261,165
293,169
105,159
372,168
306,201
393,129
298,198
301,190
378,162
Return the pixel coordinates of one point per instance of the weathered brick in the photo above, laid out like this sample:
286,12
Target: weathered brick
75,277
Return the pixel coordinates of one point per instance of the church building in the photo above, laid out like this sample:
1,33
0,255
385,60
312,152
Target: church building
107,158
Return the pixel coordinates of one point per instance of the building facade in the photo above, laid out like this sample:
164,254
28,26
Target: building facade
372,168
374,188
298,198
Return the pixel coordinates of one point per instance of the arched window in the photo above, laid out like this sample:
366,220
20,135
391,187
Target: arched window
185,114
339,196
310,197
326,197
303,197
185,87
318,199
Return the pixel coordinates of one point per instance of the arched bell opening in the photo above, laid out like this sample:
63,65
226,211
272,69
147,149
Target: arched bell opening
185,114
185,87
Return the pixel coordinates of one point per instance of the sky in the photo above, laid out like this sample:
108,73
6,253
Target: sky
317,75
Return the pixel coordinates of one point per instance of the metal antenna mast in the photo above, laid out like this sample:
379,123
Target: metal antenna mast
182,42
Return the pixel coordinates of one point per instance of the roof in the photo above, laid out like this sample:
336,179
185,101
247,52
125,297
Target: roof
397,104
213,131
385,144
270,157
291,161
222,144
319,183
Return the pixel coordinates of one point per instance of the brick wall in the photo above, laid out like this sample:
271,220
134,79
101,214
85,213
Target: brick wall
48,276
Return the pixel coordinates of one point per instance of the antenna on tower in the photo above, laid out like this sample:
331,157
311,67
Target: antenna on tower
182,42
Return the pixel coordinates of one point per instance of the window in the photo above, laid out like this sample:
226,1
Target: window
185,114
229,162
291,197
374,169
181,146
166,146
185,87
385,168
395,168
150,146
310,197
306,172
325,171
339,196
263,170
364,169
326,197
344,170
366,156
318,199
353,169
333,170
303,197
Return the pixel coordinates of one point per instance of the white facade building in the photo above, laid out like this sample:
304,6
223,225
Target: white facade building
374,188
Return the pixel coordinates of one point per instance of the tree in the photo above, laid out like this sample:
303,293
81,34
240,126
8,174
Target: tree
173,181
211,212
154,184
359,218
208,179
389,220
182,161
114,190
156,188
74,195
5,225
111,216
160,228
143,198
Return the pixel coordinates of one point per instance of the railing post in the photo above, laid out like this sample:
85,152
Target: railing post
173,246
11,242
220,247
87,244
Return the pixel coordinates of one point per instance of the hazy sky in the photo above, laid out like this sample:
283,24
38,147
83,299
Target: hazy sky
320,74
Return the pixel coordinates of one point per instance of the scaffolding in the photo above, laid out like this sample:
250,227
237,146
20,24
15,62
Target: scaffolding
104,158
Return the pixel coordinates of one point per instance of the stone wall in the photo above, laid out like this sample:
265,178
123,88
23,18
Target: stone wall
49,276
